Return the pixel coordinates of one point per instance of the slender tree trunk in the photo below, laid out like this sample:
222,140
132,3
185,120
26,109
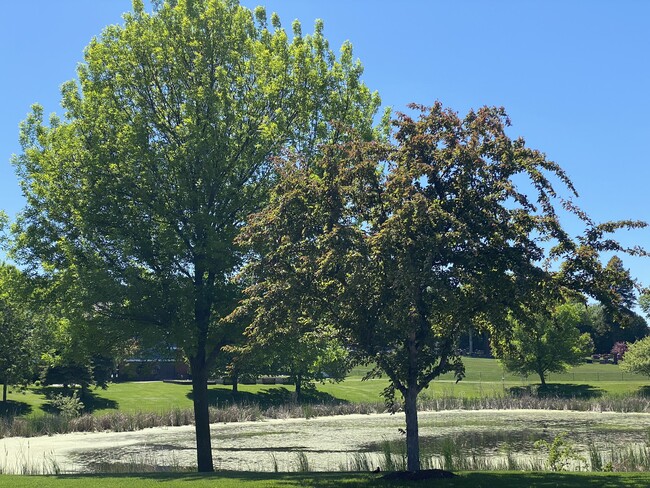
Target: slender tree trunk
201,413
412,433
542,378
298,388
410,394
235,383
5,387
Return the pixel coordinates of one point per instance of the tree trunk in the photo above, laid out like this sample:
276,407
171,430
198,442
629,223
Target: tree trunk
542,378
412,434
5,386
235,383
298,388
201,414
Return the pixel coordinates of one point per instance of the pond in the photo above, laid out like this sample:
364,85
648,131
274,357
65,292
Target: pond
331,443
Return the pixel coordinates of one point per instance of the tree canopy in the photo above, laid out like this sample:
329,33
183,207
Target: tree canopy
546,341
408,243
135,195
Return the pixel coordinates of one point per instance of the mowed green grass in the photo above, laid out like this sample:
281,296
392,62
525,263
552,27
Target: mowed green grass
332,480
484,377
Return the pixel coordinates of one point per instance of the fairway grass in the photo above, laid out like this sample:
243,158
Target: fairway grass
332,480
484,378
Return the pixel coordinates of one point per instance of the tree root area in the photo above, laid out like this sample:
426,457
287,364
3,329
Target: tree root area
424,474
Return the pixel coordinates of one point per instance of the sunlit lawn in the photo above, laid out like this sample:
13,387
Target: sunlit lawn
484,377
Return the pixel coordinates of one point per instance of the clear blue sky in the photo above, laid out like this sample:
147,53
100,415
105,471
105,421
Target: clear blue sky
573,75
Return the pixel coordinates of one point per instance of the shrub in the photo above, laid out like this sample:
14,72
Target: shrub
68,406
561,452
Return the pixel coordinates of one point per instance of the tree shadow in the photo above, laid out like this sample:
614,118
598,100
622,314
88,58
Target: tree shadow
557,390
271,397
12,408
330,479
334,479
94,402
89,398
643,391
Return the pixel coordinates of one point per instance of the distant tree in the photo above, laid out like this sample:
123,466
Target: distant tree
4,224
305,355
644,302
637,357
82,347
70,365
19,330
238,361
405,246
606,328
623,285
543,343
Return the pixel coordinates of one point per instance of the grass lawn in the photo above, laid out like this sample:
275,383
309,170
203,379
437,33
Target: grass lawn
332,480
485,377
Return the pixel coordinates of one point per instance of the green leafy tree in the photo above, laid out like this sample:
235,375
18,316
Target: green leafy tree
407,245
637,357
79,346
4,225
75,355
644,302
543,343
238,360
286,341
623,283
136,195
305,354
19,330
606,329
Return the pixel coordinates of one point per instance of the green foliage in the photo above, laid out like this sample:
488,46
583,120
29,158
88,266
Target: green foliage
4,224
644,302
542,344
561,452
303,352
606,328
637,357
135,196
408,244
67,405
21,333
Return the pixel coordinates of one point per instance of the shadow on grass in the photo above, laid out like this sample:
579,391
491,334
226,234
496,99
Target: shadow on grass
551,480
11,408
643,391
558,390
271,397
330,479
242,478
89,398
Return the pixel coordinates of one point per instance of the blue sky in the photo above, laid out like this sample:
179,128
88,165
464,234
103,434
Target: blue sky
573,76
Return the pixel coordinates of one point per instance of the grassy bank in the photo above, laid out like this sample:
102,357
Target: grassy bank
332,480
